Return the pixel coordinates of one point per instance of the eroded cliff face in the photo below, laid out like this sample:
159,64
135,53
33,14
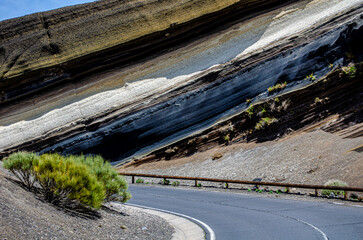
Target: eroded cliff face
125,80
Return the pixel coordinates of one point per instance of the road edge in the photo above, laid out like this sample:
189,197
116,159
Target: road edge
186,227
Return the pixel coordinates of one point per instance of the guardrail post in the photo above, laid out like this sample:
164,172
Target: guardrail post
345,195
287,190
133,179
195,183
227,185
257,187
316,192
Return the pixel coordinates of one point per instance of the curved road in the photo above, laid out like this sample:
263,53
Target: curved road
240,216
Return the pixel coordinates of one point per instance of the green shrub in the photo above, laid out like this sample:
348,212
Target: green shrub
71,180
114,184
64,181
336,183
21,165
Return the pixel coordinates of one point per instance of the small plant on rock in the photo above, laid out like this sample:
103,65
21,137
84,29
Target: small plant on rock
336,183
265,122
350,70
250,111
226,138
175,183
166,182
317,100
277,87
139,180
310,77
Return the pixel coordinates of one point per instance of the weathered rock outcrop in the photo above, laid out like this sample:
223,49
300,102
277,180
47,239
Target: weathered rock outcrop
152,73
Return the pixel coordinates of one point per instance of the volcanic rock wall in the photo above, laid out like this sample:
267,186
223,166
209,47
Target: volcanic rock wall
123,79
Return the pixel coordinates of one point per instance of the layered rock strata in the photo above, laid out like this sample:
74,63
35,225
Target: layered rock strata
194,82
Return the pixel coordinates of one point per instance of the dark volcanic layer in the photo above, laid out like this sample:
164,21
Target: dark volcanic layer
140,123
337,95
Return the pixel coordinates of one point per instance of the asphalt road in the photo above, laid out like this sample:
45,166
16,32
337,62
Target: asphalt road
240,216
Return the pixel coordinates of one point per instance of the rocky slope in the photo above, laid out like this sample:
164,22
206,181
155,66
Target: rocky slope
172,79
24,216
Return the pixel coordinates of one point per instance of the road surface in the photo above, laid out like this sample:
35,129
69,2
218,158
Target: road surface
240,216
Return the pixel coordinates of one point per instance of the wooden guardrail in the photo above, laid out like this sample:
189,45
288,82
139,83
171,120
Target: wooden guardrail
257,183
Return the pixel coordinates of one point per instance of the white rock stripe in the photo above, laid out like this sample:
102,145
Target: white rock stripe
186,227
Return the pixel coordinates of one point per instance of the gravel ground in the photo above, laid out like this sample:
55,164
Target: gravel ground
309,157
23,216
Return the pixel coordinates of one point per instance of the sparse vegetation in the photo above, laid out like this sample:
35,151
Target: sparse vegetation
175,183
277,87
69,181
166,182
248,100
310,77
226,138
317,100
250,111
350,70
262,111
139,180
266,121
336,183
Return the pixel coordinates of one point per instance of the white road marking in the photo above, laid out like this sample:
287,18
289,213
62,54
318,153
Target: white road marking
212,235
315,228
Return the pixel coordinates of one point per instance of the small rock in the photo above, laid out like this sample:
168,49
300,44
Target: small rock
144,228
331,195
217,155
123,227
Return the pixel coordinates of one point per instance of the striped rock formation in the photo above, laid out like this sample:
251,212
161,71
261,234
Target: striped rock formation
165,78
